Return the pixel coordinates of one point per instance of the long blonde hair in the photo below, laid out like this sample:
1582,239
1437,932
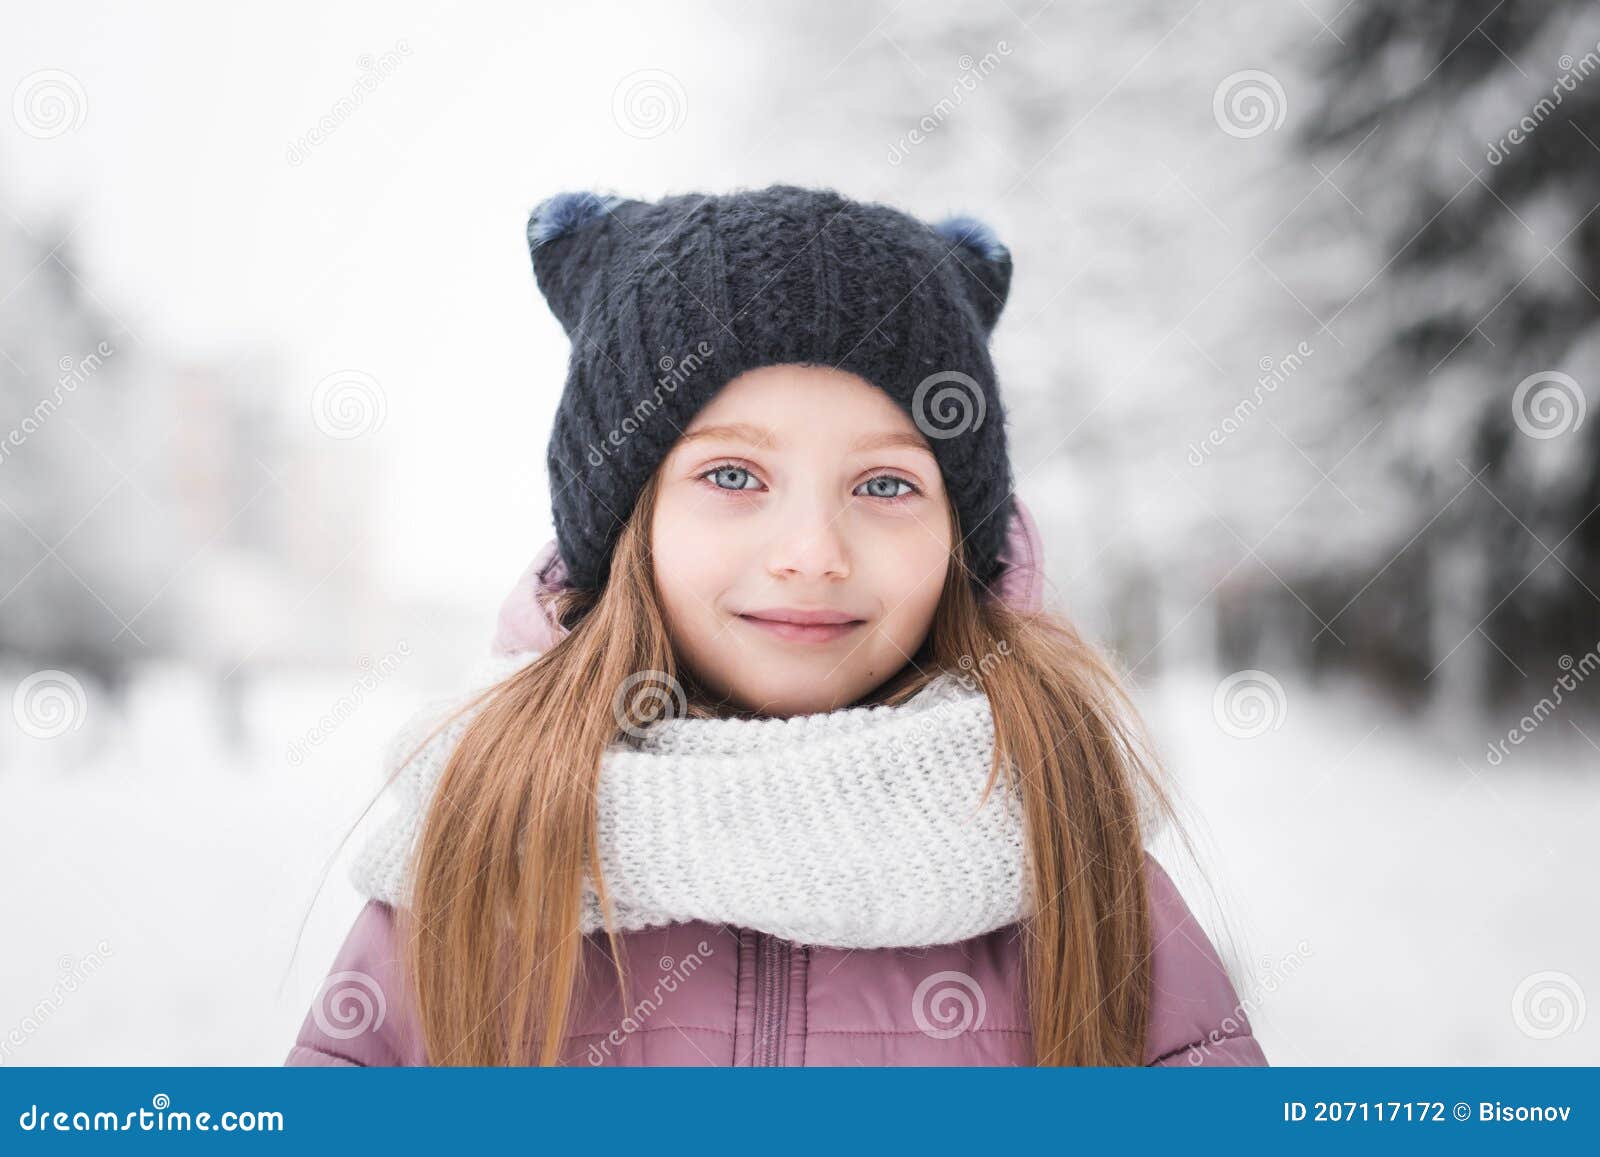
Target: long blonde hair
493,948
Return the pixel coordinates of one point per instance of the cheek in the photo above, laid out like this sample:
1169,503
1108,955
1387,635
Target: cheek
911,577
690,569
688,575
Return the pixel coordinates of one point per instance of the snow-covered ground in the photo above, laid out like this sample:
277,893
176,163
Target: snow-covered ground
186,867
1391,897
1430,891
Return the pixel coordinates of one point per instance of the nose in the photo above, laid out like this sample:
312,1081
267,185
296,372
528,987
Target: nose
809,544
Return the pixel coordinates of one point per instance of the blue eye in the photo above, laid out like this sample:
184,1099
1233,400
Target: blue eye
892,481
739,472
732,478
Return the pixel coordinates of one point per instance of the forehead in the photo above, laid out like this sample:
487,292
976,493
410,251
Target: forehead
777,406
769,439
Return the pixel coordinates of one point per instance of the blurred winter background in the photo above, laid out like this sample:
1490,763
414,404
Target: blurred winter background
1305,326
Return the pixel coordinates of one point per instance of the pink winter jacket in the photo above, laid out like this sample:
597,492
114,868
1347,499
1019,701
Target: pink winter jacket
707,994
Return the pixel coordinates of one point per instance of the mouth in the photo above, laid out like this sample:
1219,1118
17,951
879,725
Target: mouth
804,626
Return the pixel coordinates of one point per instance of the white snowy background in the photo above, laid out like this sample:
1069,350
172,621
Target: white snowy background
307,459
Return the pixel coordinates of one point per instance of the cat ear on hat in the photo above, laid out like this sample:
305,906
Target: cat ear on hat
561,235
987,263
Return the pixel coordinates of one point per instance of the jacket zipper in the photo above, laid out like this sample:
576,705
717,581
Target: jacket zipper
771,998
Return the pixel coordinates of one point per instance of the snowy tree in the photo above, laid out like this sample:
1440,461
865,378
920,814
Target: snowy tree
1473,136
82,540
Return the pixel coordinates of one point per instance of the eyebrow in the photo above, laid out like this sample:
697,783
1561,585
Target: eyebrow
766,439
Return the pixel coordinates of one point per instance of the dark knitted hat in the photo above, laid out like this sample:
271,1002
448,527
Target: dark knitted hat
667,301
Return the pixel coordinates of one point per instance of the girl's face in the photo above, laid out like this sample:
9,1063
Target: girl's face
799,493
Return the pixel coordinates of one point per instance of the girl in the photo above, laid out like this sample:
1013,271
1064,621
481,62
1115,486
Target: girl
789,766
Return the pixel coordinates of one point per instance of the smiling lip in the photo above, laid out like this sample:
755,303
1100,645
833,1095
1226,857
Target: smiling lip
803,626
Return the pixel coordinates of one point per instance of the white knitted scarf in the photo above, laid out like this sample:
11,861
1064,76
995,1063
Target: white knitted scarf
855,828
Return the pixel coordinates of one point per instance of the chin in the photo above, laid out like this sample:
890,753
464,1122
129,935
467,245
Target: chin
783,702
